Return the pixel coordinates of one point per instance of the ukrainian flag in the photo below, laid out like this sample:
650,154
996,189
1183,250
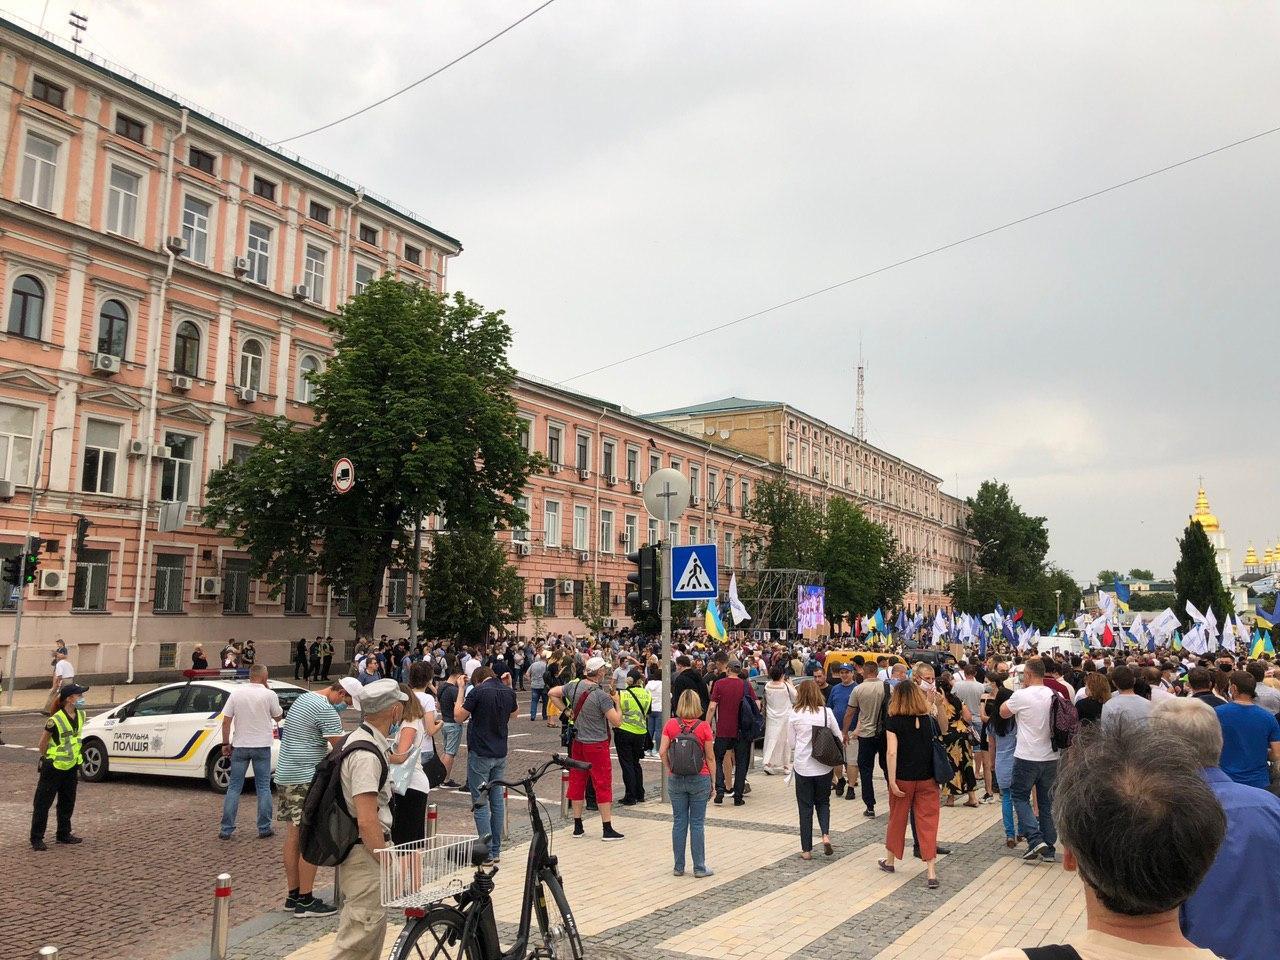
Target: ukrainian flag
1261,644
1122,595
715,626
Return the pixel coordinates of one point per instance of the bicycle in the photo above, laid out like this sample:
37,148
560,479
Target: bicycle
467,929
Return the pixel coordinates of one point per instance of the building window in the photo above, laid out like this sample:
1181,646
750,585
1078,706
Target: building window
653,531
313,272
51,93
549,597
673,533
553,444
676,463
259,253
39,171
195,228
235,586
633,464
746,493
90,593
581,519
606,531
250,365
8,592
791,454
729,560
368,234
175,475
728,491
524,434
170,573
130,128
695,480
712,479
202,160
264,188
582,452
607,457
306,388
26,308
629,531
397,588
318,212
521,533
578,596
101,447
551,523
17,428
413,254
345,607
240,453
122,201
186,349
113,328
655,463
364,277
295,593
693,534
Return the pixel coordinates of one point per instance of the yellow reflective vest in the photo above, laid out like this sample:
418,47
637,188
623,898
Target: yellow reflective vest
634,703
64,752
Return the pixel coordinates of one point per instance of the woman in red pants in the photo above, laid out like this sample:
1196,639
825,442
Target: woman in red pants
910,730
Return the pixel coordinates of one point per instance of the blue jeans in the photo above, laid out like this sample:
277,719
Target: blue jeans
241,757
481,770
1040,775
1006,809
689,796
537,694
655,729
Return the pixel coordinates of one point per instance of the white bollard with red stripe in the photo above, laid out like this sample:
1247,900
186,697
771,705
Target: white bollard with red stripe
221,917
433,817
564,794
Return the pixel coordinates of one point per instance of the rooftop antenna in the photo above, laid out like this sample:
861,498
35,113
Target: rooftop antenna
79,23
859,416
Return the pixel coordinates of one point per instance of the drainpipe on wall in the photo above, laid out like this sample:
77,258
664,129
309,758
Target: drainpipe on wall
595,557
345,248
153,401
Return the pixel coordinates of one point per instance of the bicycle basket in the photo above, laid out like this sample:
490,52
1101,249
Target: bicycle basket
423,871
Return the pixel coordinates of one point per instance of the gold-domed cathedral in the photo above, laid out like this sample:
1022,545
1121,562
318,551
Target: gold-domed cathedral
1209,524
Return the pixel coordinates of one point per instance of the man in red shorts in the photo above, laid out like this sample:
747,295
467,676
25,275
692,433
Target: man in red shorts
593,710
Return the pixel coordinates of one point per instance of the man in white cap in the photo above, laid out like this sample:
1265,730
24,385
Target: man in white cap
592,711
366,791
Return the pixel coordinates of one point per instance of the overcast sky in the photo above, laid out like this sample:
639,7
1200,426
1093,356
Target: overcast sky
624,174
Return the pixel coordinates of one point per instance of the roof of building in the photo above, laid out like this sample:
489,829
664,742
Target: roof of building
174,101
714,406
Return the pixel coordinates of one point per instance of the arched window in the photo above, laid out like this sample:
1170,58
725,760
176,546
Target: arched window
26,308
250,365
113,328
186,349
306,389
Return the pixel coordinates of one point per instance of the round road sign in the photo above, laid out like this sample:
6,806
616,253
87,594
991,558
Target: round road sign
666,494
344,475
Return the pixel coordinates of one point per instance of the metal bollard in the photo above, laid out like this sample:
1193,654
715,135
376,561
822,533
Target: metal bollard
433,816
221,917
51,952
506,814
564,794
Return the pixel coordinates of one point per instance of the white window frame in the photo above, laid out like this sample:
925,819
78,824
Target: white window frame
39,175
558,429
655,463
119,197
654,532
258,252
306,390
7,442
673,533
250,368
631,530
606,531
176,596
191,468
676,463
633,460
581,527
357,284
193,230
582,444
695,479
117,461
521,534
526,421
609,458
551,523
315,270
89,573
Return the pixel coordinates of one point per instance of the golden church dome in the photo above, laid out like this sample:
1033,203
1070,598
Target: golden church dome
1251,557
1207,521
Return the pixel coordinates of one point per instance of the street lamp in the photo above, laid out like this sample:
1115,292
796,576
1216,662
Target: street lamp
1057,602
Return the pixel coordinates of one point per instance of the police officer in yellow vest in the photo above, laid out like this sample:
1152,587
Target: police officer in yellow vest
59,766
634,702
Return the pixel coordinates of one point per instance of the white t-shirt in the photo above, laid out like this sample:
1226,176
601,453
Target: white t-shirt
254,710
655,690
428,707
1030,706
417,776
64,671
470,665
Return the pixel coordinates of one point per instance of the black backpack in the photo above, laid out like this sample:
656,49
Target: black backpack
329,830
685,753
750,719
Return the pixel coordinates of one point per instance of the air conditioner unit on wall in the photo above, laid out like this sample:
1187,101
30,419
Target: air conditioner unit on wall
301,291
209,586
636,486
566,587
553,468
180,382
522,549
241,266
53,581
137,448
247,394
694,500
6,489
160,451
610,623
584,473
583,556
539,601
106,363
176,245
612,481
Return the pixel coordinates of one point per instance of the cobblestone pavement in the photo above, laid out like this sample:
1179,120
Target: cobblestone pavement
764,901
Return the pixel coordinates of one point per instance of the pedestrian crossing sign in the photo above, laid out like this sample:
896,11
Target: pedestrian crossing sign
694,573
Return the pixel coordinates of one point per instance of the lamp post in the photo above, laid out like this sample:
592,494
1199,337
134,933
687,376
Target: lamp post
1057,602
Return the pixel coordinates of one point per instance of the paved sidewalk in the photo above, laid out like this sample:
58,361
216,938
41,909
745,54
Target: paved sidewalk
106,695
765,903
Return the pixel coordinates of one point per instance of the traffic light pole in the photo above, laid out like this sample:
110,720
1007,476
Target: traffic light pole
22,580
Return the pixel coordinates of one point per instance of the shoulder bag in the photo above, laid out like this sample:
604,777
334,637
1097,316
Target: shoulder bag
943,767
824,746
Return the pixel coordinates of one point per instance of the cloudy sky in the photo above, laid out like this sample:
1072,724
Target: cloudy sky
625,174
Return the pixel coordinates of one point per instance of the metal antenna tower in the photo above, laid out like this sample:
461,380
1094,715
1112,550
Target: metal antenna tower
79,23
859,416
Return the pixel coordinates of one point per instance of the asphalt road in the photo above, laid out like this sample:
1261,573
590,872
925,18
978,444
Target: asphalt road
141,885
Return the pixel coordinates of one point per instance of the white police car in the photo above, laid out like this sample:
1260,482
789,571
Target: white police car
173,731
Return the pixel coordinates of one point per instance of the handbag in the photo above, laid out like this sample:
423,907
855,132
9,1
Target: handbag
566,726
943,766
824,746
401,772
433,766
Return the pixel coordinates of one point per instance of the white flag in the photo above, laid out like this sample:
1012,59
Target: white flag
1166,623
1138,629
1107,602
1193,613
736,610
1211,624
1228,635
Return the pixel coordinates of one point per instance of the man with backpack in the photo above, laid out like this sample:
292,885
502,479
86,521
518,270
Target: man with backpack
592,712
868,708
366,795
1035,759
732,698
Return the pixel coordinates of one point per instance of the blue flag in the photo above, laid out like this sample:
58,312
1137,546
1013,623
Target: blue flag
982,643
880,625
901,625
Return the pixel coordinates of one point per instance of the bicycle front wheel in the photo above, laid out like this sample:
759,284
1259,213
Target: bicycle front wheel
436,936
555,920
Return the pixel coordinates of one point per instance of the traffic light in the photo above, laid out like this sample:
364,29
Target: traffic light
82,531
643,594
33,560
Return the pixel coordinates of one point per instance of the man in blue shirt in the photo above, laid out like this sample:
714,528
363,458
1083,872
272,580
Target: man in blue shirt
490,706
1231,916
1250,735
838,700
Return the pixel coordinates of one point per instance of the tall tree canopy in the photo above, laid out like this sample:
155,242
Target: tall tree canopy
791,527
1196,577
418,395
469,588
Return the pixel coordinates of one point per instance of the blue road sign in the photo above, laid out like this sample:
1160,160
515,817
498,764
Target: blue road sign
694,574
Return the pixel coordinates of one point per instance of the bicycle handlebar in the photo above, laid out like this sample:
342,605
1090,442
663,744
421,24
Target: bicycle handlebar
537,773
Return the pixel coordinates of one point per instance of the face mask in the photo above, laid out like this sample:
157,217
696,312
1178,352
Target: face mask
340,706
395,728
927,685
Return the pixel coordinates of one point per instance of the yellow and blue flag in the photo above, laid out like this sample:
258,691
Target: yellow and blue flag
715,626
1122,595
879,620
1261,644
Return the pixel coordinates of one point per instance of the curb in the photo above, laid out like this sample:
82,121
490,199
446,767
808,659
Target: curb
243,932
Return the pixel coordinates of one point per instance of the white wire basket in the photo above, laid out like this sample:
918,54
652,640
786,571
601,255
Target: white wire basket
424,871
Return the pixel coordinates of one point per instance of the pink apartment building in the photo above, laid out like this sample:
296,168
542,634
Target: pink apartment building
166,279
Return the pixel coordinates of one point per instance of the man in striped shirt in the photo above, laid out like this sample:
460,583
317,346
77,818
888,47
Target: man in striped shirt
310,729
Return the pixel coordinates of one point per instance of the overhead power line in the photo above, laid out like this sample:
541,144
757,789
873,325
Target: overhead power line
919,256
419,81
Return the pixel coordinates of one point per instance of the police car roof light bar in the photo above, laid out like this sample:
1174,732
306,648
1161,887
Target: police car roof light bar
231,674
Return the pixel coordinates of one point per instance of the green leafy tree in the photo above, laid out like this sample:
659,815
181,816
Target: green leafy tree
1012,544
791,527
1142,602
860,561
469,588
593,611
1196,576
1138,573
1107,577
418,395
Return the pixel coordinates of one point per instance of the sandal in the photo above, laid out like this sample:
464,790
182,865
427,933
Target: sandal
827,848
932,884
949,802
885,866
806,856
974,805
